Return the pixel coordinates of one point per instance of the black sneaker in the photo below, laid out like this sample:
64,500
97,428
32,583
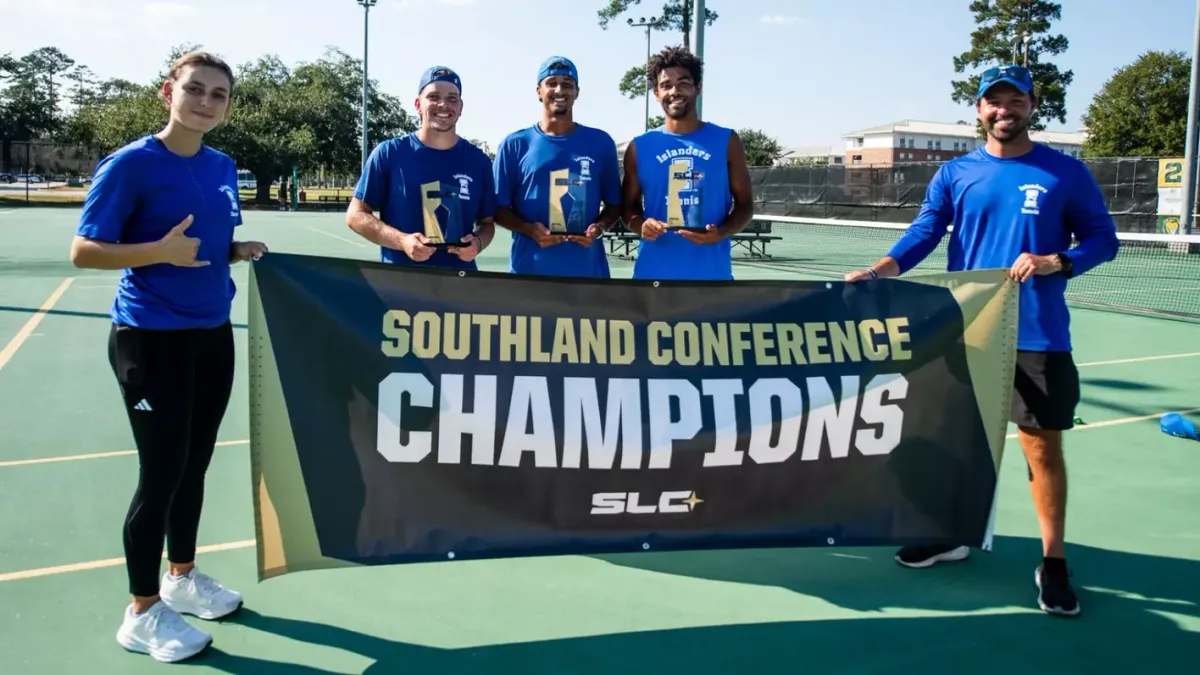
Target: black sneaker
927,556
1055,595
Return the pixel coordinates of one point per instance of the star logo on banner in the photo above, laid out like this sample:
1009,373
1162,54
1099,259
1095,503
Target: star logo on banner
692,501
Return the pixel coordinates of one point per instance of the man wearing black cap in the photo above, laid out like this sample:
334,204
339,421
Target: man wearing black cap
1016,204
552,180
432,189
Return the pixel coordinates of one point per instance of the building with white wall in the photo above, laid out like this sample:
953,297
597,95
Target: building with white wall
922,141
811,155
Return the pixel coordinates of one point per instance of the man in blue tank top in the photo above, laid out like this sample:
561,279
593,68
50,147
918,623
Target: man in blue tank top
432,189
1016,205
686,186
558,184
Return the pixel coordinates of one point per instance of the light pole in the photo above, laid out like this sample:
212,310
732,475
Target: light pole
366,5
648,24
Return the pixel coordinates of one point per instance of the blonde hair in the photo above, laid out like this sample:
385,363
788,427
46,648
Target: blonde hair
198,59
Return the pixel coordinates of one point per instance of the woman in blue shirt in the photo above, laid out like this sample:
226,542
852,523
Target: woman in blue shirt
163,210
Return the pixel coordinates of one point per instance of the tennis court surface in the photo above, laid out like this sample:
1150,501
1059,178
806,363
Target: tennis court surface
67,471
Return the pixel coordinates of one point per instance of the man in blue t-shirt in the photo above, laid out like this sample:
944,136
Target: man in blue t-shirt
687,188
1016,204
432,189
558,187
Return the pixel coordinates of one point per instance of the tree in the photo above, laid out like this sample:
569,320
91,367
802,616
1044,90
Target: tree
26,102
656,121
45,64
676,16
1142,110
309,116
1001,27
484,146
83,85
761,149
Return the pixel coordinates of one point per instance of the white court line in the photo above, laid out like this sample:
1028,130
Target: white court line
110,562
15,343
93,455
1124,420
247,543
1140,359
1129,291
330,234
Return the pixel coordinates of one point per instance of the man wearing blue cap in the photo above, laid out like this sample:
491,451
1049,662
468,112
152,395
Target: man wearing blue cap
432,189
558,186
1016,204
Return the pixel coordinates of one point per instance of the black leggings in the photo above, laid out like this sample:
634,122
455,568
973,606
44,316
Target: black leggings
176,386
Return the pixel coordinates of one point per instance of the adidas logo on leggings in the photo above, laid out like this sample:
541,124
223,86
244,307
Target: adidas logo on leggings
143,405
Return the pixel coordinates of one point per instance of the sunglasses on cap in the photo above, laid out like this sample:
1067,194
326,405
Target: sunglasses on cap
1017,76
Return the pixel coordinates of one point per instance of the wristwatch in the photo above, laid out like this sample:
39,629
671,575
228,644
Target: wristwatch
1067,267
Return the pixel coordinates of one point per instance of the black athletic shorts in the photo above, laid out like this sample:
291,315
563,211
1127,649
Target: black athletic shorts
1045,390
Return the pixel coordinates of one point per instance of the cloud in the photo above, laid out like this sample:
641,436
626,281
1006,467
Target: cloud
77,9
778,19
169,10
402,5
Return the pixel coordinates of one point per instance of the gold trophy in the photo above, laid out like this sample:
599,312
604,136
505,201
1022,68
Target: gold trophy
684,211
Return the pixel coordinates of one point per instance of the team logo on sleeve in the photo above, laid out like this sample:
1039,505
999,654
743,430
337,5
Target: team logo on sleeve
234,207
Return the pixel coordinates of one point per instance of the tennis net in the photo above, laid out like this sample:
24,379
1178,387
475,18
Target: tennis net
1153,274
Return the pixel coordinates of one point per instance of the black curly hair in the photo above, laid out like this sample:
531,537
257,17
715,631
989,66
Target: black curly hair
674,57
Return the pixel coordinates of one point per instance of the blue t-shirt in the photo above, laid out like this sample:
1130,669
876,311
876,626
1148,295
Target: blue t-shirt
440,193
558,181
685,179
138,194
1003,207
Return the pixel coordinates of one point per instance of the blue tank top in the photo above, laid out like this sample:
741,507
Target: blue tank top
685,181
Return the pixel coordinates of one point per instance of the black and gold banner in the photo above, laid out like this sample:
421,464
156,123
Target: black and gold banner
402,415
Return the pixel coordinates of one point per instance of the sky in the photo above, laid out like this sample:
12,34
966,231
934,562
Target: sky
803,71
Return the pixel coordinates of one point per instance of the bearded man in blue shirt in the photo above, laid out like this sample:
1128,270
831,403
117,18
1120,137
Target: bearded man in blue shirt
1016,204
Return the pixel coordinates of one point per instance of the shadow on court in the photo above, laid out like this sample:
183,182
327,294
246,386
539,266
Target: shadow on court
1127,600
1122,385
1138,410
29,267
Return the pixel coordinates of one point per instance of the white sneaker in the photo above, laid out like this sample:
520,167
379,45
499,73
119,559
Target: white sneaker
161,633
199,595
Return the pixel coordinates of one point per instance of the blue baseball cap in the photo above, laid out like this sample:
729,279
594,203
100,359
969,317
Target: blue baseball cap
557,65
440,74
1017,76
